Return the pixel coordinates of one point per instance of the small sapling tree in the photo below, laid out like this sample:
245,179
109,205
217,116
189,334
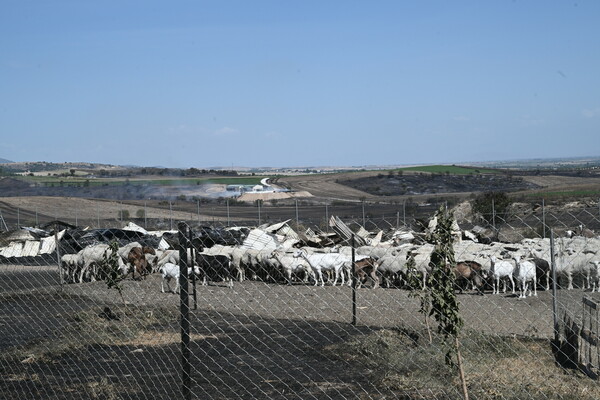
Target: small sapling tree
438,298
111,272
444,304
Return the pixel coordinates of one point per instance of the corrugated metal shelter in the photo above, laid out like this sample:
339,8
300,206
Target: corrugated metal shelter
31,248
344,232
48,244
14,249
260,240
20,235
134,227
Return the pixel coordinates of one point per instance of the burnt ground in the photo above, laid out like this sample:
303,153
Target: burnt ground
421,184
267,341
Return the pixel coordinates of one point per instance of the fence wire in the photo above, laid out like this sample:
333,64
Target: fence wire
327,308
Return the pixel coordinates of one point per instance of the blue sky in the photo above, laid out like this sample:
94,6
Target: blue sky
298,83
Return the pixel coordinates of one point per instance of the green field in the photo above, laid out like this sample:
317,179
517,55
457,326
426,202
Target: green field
450,169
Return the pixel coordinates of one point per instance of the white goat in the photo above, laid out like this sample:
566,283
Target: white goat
292,265
390,267
167,256
525,272
325,262
596,275
91,257
422,263
501,269
171,271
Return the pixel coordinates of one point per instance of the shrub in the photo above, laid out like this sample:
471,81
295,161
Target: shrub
492,206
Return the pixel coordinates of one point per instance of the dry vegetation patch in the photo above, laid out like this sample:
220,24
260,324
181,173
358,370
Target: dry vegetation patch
496,367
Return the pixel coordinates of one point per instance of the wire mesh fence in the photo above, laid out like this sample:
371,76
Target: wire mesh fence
311,304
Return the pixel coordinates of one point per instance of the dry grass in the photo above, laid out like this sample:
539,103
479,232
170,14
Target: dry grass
495,367
135,326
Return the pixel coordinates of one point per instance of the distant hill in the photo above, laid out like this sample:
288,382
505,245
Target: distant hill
5,161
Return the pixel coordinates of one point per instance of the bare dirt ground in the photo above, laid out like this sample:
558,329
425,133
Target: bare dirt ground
260,340
557,181
325,185
88,211
270,196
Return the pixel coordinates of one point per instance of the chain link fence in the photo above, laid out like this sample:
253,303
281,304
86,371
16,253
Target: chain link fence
263,308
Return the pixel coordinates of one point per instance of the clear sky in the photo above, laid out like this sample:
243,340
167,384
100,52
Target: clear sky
298,83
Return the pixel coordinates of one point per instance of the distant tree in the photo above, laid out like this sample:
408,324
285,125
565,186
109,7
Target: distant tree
492,206
140,213
72,172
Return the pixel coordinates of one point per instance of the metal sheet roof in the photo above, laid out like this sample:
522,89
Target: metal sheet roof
31,248
14,249
260,240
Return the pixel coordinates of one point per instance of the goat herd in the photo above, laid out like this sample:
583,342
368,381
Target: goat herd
525,265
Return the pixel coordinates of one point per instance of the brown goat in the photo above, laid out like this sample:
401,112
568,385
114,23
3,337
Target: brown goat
469,272
364,268
138,260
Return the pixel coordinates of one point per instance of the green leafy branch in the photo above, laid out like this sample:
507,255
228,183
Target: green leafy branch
111,273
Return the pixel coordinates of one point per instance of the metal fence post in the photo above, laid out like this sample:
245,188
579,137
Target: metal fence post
228,220
493,215
193,256
258,204
554,306
353,282
297,219
184,309
58,258
543,219
363,214
3,221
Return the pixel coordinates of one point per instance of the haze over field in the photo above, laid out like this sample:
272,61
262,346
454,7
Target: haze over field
269,83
